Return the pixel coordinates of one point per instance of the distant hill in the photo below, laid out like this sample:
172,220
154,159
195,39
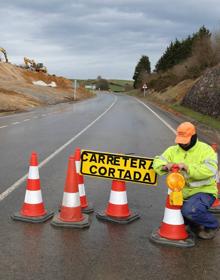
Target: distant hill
114,84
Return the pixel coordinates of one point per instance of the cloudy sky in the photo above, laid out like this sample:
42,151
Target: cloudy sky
87,38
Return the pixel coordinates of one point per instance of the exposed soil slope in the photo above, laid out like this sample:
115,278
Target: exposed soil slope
17,91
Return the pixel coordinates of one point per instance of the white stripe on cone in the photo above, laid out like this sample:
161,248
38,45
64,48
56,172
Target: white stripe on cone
77,166
118,198
71,199
33,173
81,190
173,217
33,197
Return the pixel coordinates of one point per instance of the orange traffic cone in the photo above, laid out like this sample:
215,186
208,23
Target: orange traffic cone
70,214
33,208
117,210
172,230
86,207
216,205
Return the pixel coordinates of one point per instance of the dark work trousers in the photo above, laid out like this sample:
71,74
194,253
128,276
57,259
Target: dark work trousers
195,210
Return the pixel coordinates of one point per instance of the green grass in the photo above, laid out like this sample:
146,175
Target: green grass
121,82
212,122
134,92
116,88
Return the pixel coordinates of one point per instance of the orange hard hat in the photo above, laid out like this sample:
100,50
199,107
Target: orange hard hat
184,133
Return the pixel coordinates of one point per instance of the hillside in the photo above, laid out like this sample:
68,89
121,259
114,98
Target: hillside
196,100
114,84
204,96
17,91
171,101
201,95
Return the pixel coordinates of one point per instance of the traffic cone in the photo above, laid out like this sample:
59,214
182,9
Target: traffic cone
117,210
70,214
172,230
86,207
216,205
33,210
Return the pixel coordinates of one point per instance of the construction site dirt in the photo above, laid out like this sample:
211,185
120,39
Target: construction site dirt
18,93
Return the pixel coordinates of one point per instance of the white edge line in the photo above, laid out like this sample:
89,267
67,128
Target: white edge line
3,126
50,157
15,115
161,119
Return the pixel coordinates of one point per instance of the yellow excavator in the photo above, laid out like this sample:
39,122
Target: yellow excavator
5,54
32,65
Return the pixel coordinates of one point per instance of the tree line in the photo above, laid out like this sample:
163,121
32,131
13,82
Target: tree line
198,45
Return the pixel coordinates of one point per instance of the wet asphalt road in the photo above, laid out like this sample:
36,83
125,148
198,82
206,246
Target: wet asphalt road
104,251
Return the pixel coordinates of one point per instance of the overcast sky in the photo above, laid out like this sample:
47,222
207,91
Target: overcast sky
87,38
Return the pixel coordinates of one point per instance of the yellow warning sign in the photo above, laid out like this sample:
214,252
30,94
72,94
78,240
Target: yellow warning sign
118,167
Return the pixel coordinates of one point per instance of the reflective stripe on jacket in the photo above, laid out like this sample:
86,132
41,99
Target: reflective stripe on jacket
202,167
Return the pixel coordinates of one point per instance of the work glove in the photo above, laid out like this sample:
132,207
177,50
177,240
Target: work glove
183,167
167,167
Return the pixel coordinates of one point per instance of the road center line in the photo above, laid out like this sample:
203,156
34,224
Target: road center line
161,119
26,120
50,157
14,123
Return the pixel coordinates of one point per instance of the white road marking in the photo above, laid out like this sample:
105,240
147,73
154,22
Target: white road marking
26,120
43,115
35,117
14,123
14,115
3,126
161,119
50,157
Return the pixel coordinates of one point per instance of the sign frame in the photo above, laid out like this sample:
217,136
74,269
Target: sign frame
102,155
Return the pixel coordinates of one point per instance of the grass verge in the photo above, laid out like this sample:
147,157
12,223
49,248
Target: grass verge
207,120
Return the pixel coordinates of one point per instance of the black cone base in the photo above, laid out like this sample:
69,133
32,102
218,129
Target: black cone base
186,243
56,222
102,216
89,209
18,217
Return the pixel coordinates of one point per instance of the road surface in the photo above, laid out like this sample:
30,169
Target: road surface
109,123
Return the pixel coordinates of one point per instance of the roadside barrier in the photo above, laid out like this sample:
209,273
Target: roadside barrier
172,230
216,205
70,213
86,207
33,209
117,210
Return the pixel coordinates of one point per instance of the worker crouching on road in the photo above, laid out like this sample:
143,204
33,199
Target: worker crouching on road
198,164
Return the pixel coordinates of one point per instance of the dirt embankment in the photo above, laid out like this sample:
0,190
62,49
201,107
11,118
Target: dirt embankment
18,93
170,96
175,96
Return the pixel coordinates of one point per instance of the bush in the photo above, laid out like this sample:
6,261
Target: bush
163,81
102,84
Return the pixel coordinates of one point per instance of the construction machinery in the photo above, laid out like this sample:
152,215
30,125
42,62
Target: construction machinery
5,54
32,65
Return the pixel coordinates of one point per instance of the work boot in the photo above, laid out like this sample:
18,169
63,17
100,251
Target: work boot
207,233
